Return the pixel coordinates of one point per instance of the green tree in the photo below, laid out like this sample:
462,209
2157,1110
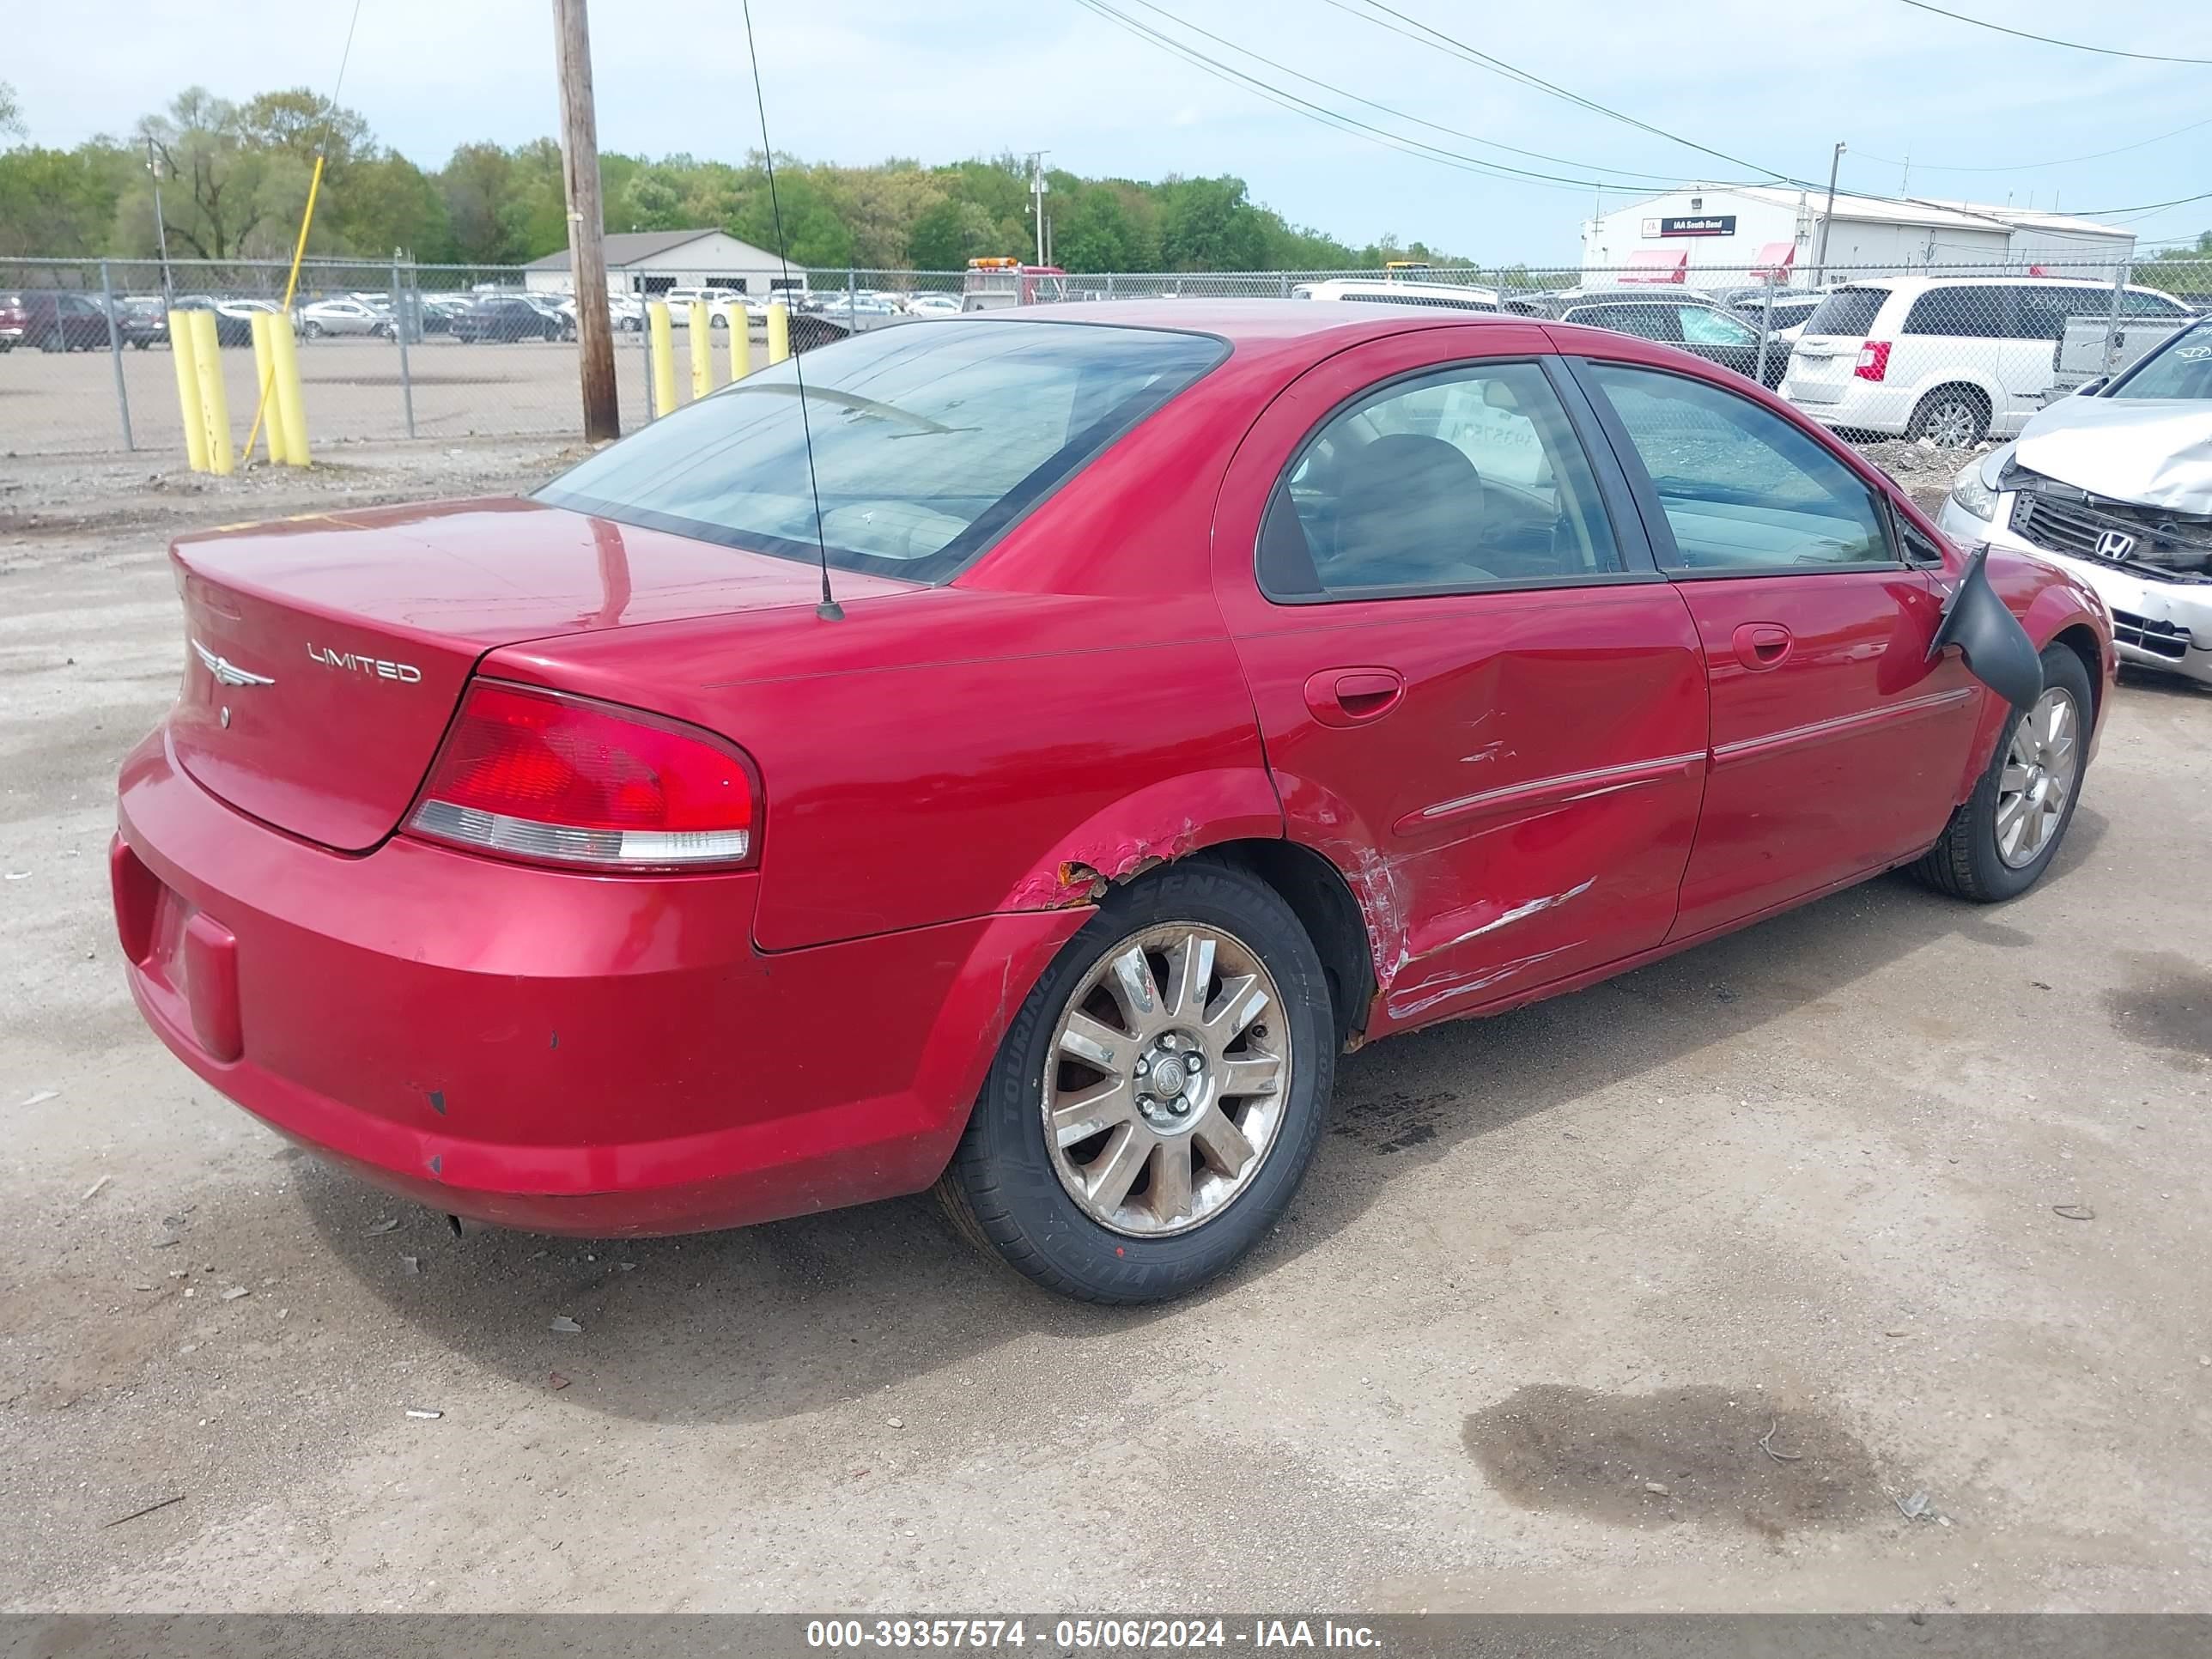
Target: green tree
303,124
224,195
11,113
388,203
61,203
949,235
475,184
1206,224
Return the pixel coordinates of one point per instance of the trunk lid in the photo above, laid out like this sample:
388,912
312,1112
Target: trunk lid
324,655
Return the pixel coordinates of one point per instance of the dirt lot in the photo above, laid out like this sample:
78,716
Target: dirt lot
63,403
1555,1279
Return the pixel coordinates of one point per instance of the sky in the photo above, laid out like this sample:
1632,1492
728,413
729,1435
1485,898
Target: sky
856,81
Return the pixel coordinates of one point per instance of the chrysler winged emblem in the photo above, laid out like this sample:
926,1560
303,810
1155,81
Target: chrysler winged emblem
226,672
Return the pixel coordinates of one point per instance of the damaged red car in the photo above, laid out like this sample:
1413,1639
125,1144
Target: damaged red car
1207,689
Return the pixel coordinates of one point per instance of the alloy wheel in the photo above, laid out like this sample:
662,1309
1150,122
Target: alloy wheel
2040,768
1954,424
1166,1082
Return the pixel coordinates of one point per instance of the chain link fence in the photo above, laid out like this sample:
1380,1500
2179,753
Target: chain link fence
392,350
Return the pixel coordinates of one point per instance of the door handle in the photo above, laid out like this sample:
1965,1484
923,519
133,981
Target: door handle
1763,645
1354,696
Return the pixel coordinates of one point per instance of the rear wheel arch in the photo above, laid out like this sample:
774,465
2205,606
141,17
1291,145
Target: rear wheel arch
1321,899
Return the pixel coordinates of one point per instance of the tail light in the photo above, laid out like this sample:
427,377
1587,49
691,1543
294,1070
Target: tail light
564,779
1873,360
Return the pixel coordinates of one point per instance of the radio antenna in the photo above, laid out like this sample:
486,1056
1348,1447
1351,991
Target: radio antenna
829,609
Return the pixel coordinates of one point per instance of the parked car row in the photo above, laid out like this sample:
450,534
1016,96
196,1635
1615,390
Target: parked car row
1952,359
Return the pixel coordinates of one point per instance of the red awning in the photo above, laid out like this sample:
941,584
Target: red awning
1657,265
1775,258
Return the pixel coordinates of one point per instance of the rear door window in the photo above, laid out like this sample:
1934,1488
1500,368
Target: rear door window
1741,488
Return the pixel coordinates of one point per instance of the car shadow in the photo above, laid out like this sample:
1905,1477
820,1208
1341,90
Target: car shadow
768,1322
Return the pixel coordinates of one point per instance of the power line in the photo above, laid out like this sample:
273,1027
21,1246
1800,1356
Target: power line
1629,174
2037,166
2140,207
1437,40
2052,40
1357,128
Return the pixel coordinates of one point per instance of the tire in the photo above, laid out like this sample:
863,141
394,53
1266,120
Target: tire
1009,1192
1953,416
311,330
1969,861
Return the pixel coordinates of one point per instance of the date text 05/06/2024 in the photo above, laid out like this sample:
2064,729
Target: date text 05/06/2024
1087,1635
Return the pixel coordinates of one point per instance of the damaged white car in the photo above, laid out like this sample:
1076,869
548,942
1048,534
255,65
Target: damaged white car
2115,484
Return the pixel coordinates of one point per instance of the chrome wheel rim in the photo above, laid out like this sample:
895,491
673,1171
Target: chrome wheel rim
1166,1083
2040,766
1952,425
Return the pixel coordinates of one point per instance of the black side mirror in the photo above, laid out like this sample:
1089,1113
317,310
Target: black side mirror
1997,649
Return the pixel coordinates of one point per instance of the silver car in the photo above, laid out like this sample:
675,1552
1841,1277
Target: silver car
344,317
2115,484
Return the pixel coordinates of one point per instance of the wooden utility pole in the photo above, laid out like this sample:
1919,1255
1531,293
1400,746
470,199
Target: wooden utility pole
587,258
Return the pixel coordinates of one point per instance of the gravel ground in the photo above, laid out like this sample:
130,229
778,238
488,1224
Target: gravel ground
1554,1277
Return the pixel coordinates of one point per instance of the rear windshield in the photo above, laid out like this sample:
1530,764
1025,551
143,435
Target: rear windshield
1847,311
2184,369
930,439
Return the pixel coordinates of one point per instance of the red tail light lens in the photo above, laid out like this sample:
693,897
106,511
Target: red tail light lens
1873,360
538,774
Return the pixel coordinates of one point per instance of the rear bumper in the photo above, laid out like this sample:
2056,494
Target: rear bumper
1862,406
2155,624
539,1049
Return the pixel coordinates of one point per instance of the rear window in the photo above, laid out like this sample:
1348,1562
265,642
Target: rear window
929,441
1847,311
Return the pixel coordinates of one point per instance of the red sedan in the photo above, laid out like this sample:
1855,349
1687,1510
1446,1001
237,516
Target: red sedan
1209,689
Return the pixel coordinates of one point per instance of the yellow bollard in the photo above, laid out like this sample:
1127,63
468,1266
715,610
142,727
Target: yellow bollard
188,389
291,408
741,340
265,378
702,347
663,358
779,331
215,404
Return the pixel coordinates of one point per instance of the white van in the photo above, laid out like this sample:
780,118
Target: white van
1952,358
1451,296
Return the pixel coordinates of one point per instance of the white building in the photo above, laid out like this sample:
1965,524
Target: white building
650,262
1721,235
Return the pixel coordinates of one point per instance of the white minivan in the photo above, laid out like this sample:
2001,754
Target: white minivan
1954,359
